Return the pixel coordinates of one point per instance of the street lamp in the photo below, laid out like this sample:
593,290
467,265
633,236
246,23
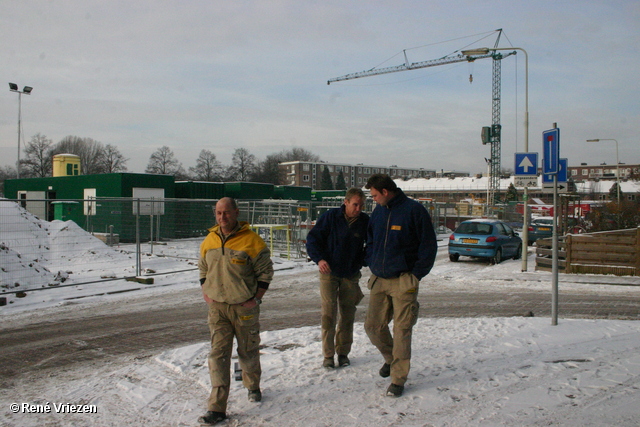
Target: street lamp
525,220
617,164
27,91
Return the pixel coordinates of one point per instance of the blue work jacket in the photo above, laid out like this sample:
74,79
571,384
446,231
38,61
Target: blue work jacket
400,239
341,245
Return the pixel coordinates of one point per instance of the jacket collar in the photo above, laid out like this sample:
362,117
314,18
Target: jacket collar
397,199
241,226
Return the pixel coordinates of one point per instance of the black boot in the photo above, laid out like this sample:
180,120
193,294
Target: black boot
212,418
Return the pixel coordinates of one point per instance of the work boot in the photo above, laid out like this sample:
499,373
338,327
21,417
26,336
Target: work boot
385,371
255,395
328,363
395,390
212,418
343,361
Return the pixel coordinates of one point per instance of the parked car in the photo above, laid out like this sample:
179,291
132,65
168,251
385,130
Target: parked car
540,228
485,238
517,226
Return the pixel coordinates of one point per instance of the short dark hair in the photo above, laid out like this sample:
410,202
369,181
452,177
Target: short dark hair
380,182
355,192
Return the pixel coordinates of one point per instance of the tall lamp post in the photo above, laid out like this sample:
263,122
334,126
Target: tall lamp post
27,91
617,164
525,220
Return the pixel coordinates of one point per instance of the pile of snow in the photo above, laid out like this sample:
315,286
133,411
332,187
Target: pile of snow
37,254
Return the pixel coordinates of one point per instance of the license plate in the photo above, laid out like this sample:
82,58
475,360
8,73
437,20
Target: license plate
470,240
544,228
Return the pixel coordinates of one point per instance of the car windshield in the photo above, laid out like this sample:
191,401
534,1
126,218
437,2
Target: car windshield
474,228
543,221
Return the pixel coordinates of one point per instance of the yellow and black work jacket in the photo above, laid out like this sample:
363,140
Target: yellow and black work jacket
233,266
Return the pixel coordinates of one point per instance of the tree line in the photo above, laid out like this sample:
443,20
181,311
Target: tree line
99,158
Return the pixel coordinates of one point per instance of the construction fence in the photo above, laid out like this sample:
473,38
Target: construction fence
43,241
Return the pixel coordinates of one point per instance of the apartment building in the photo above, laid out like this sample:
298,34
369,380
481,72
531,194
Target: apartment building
309,174
586,172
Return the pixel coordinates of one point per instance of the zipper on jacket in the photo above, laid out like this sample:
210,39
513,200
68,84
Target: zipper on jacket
386,237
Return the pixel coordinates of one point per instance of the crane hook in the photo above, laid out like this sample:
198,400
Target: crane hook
470,78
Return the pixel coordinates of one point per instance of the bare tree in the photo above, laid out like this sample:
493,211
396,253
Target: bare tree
6,172
208,168
297,153
164,162
38,157
268,170
111,160
87,149
243,165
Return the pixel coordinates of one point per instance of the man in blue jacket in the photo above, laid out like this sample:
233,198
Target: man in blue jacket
401,249
336,244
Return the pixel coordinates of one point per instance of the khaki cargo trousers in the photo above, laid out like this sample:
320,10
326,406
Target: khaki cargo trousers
393,299
225,322
338,295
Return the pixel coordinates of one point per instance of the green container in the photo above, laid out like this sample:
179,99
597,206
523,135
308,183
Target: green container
318,195
67,210
199,190
248,190
116,213
292,192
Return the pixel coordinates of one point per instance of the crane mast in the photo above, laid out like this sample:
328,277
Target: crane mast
495,133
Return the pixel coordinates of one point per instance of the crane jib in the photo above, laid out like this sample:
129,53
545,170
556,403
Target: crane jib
413,66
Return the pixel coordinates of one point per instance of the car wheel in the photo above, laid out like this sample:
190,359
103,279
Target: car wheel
454,257
497,258
530,242
518,254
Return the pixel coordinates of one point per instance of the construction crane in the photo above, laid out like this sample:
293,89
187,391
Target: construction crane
490,135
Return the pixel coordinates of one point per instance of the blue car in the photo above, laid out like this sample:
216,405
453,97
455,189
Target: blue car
485,238
540,228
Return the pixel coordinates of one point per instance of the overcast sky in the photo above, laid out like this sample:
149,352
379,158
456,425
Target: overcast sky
221,75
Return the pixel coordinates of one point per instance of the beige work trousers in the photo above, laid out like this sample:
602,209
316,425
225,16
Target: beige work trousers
225,322
344,295
393,299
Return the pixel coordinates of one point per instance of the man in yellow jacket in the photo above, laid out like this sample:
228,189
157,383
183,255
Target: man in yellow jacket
235,271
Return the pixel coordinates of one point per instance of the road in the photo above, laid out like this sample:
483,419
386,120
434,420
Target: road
56,339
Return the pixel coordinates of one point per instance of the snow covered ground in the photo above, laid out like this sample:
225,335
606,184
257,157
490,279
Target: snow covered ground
465,371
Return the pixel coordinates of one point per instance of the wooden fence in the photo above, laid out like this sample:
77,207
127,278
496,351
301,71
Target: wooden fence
606,252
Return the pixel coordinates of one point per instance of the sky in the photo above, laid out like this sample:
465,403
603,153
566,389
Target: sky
468,371
221,75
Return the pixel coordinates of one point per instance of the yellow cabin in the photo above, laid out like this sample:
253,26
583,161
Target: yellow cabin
66,165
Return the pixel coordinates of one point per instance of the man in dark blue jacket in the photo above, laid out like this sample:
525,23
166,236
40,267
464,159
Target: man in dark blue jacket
336,244
401,249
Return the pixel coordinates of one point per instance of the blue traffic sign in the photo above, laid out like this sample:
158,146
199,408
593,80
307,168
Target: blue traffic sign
551,150
526,164
563,167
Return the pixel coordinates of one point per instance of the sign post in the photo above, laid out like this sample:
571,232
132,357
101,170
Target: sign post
526,175
551,166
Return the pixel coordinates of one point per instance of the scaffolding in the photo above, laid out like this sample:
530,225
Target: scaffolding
282,224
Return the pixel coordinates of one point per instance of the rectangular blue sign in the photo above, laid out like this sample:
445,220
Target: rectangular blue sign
526,164
563,167
551,150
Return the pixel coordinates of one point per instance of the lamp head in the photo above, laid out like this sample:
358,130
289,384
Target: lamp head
13,86
477,51
593,140
27,90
